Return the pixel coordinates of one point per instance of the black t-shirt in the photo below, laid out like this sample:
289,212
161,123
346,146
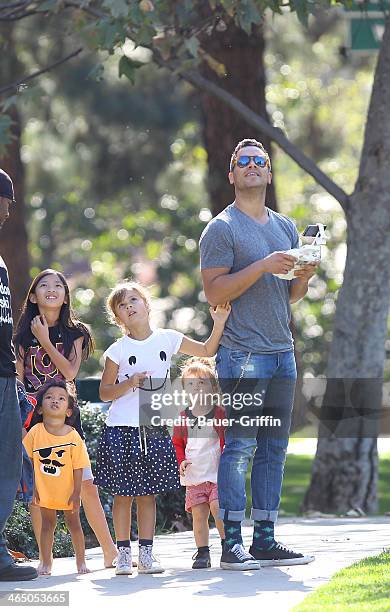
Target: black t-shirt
39,368
7,353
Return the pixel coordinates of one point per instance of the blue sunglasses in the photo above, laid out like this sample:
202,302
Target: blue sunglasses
245,160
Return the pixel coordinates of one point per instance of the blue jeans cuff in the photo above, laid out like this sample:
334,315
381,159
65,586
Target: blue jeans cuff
231,515
264,515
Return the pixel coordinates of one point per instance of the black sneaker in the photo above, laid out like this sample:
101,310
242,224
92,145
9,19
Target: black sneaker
280,555
236,558
14,573
202,559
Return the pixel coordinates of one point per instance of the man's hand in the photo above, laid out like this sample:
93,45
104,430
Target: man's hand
40,330
306,272
279,263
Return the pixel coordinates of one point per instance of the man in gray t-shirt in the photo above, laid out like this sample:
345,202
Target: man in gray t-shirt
240,251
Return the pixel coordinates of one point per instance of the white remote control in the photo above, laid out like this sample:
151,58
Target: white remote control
307,253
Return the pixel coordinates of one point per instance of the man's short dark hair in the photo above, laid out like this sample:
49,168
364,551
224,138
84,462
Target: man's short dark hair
248,142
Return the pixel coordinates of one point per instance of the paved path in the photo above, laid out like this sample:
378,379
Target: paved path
335,542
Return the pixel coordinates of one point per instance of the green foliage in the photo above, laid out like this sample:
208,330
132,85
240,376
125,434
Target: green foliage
116,179
128,68
362,586
20,536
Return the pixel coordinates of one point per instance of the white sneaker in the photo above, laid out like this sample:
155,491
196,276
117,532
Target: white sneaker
123,564
147,562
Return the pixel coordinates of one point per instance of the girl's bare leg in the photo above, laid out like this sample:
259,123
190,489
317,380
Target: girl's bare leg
214,507
96,518
146,516
48,525
200,517
72,521
121,514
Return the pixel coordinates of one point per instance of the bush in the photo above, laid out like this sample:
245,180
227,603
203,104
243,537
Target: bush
20,536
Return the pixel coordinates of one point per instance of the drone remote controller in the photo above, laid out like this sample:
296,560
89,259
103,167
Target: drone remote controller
309,251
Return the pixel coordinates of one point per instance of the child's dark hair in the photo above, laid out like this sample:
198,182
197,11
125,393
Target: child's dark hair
72,400
67,321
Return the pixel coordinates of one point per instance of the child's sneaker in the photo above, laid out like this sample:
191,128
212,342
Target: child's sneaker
123,563
236,558
280,555
147,562
202,559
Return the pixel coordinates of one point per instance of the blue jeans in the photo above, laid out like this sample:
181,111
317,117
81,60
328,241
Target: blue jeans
10,457
269,381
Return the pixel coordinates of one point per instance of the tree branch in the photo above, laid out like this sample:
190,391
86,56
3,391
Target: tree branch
259,123
34,75
196,79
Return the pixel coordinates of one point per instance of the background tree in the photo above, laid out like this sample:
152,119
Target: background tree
14,243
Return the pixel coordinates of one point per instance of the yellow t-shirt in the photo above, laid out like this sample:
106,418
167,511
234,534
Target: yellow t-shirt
54,459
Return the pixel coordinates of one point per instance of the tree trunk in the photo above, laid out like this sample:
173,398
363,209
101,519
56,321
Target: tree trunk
344,473
13,238
242,56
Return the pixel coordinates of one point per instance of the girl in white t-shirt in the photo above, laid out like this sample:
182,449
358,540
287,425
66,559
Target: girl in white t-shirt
135,460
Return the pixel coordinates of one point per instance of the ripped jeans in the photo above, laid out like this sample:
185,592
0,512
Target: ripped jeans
268,380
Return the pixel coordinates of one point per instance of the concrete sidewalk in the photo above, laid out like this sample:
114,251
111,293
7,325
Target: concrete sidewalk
336,543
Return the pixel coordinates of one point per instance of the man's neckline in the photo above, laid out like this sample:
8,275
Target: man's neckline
252,218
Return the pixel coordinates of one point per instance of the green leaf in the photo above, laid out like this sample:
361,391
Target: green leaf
301,7
128,67
117,8
248,15
107,35
145,35
96,74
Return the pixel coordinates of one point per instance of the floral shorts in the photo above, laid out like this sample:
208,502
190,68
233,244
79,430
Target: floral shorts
203,493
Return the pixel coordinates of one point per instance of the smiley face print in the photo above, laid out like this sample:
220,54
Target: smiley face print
151,384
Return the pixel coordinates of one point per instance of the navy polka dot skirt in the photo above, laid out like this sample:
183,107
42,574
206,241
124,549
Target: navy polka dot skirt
136,461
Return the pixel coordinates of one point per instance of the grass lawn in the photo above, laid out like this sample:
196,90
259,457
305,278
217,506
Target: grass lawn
362,586
297,477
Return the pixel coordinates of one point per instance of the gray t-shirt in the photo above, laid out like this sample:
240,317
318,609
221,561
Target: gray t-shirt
259,320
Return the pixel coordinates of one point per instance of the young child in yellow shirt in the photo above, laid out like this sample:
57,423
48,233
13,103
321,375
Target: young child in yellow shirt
59,456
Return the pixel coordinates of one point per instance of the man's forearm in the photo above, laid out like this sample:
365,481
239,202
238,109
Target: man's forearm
228,287
298,290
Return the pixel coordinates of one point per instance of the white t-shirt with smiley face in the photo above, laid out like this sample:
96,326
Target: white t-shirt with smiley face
152,355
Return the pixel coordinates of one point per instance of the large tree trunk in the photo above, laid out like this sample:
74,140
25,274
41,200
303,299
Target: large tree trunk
13,238
344,473
242,56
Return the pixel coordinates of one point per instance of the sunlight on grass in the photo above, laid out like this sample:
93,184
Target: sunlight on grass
362,586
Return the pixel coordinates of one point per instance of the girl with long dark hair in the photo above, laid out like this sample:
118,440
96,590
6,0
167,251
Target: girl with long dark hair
50,344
